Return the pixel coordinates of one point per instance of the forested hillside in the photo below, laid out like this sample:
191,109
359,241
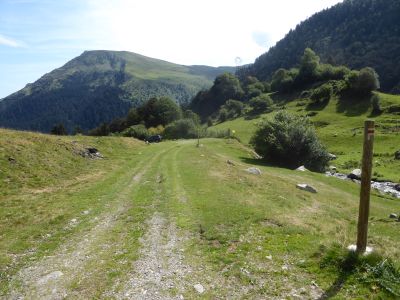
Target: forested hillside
355,33
99,86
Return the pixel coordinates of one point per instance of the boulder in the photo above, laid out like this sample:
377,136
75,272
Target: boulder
302,169
397,187
306,187
199,288
332,156
253,170
229,162
332,168
393,216
397,155
92,150
355,174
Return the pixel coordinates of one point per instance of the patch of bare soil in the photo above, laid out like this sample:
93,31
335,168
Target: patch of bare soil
50,277
160,272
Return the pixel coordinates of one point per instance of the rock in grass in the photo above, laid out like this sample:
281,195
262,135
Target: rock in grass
355,174
393,216
253,170
229,162
332,156
397,187
302,169
306,187
199,288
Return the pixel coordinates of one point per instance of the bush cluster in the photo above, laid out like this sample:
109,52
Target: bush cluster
290,141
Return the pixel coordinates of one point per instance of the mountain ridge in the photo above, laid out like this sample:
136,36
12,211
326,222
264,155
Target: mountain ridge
100,85
355,33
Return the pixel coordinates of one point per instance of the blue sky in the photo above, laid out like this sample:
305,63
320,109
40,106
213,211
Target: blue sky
37,36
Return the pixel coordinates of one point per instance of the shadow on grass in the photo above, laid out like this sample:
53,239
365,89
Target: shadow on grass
367,270
318,106
345,263
353,106
262,163
336,287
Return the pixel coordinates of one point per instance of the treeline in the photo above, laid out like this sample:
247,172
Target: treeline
355,33
158,116
230,97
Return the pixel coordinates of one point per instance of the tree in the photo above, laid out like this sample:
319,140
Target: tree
260,104
188,114
308,66
226,86
102,130
362,82
59,129
283,80
233,108
322,94
368,80
159,111
133,117
77,130
290,141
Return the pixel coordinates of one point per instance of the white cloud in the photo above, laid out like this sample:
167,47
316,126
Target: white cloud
196,32
9,42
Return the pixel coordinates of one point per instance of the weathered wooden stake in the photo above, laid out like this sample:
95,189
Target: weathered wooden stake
369,131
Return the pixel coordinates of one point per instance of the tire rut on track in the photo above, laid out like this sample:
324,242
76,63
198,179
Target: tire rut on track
160,272
50,277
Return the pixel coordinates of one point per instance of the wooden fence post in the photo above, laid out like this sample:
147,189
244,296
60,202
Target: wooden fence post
363,215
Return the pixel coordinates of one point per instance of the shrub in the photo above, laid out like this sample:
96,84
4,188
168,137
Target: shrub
231,109
376,104
322,93
102,130
182,129
223,114
290,141
362,82
159,130
59,129
217,133
283,80
261,104
137,131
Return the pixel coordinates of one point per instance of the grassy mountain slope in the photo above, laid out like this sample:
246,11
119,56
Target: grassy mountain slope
99,86
87,233
355,33
340,127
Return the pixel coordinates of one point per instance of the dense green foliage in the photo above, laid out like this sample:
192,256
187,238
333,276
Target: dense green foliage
325,80
158,116
362,82
159,111
59,129
260,104
137,131
99,86
226,86
182,129
290,141
355,33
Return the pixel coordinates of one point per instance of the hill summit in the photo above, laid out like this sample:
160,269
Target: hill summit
99,86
